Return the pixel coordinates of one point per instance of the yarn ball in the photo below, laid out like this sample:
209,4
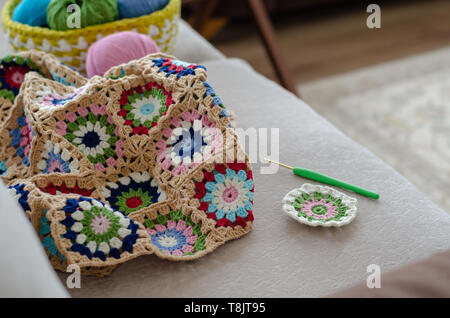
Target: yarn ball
92,12
116,49
137,8
31,12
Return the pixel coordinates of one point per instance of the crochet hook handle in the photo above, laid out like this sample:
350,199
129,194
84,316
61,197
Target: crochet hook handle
313,175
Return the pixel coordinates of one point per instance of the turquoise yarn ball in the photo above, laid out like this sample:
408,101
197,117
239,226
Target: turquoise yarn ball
92,12
31,12
137,8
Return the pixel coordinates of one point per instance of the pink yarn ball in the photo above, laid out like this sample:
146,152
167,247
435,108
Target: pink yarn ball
116,49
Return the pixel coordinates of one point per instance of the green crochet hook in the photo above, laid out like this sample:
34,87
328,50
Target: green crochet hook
312,175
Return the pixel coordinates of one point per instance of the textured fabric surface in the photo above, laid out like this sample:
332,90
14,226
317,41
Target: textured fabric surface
427,278
24,268
282,258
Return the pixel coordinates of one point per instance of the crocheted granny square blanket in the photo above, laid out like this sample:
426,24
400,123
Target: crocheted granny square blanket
143,160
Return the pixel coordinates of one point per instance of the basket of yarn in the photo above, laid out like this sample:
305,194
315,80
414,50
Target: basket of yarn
71,45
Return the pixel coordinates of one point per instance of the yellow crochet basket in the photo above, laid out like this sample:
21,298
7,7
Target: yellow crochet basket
71,46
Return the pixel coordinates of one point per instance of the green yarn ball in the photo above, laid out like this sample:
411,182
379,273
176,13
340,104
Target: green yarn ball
92,12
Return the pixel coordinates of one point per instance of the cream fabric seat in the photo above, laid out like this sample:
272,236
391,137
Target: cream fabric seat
279,258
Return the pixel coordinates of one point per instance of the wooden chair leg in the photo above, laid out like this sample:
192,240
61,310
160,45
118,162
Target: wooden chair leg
203,12
270,41
205,9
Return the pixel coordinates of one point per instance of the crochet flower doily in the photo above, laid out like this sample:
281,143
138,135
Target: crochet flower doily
144,160
317,205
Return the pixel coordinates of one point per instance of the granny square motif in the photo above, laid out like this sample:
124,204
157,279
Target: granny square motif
144,160
317,205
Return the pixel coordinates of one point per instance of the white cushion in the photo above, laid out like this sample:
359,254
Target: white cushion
24,267
190,46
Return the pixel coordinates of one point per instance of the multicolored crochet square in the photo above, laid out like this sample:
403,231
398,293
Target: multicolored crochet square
144,160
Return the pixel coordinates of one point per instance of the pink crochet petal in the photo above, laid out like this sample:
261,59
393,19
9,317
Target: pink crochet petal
110,162
205,121
160,228
191,239
186,116
188,231
83,111
95,109
27,150
188,248
99,167
61,128
176,171
161,145
119,148
181,225
195,114
24,142
71,117
167,132
160,156
175,122
166,164
171,224
177,253
25,130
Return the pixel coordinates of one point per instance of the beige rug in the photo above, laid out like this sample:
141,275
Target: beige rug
401,111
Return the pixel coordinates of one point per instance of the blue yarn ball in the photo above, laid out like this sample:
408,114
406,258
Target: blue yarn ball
137,8
31,12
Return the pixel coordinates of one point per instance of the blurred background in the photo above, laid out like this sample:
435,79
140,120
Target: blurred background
387,88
